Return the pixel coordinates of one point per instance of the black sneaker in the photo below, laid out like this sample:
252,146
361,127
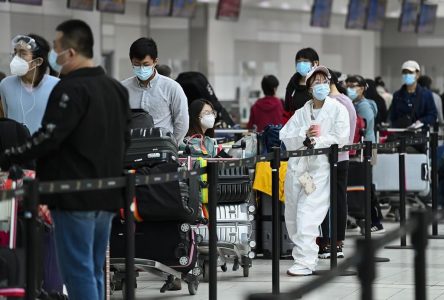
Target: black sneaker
339,253
324,252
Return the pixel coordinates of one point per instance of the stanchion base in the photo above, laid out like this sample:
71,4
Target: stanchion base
399,247
343,273
381,259
436,237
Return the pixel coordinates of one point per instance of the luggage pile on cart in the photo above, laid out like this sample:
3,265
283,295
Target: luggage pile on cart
235,217
165,243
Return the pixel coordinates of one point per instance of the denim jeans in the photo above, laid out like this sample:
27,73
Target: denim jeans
81,239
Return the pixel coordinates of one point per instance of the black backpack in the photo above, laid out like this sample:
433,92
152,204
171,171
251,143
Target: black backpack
196,86
13,134
141,119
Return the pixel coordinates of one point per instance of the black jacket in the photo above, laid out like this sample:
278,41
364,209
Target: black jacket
84,134
296,95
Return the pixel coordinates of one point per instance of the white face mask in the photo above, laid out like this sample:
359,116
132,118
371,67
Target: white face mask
207,121
19,66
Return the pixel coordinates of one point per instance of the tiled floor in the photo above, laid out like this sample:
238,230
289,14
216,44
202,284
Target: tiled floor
394,279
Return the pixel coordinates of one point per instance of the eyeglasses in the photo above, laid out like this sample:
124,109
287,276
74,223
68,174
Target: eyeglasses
321,82
208,113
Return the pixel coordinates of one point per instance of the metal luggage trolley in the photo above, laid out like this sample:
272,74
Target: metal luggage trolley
235,216
162,223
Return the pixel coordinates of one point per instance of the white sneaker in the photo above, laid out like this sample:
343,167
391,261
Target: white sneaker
298,270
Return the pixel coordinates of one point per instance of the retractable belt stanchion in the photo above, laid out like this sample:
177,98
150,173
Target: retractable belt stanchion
212,169
402,194
419,240
130,276
30,205
366,267
333,206
276,217
433,144
333,158
368,195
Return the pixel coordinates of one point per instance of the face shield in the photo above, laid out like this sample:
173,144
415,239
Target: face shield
22,44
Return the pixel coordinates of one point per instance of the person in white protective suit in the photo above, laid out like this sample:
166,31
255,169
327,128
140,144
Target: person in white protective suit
320,123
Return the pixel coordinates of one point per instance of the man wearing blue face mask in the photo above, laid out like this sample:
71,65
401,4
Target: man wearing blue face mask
162,97
412,104
296,94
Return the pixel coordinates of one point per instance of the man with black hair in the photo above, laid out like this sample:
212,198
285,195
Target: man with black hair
269,109
162,97
84,135
296,94
25,93
164,70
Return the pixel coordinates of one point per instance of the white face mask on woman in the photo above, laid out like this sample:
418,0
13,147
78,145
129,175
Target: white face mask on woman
207,121
19,66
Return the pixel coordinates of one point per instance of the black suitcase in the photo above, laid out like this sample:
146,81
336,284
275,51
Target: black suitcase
150,146
234,185
265,226
170,201
356,190
170,243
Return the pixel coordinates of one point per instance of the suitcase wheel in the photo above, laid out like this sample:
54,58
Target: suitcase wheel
185,227
183,261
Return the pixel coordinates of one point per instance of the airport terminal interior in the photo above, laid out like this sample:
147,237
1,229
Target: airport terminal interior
242,52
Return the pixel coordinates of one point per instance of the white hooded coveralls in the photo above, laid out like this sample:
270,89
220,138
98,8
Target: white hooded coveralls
305,213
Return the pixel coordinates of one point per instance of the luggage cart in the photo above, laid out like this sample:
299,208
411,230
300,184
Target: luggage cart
173,275
235,217
386,176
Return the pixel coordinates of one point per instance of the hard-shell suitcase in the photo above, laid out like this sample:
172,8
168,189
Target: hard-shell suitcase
356,190
233,233
151,146
235,212
386,174
234,185
170,243
265,226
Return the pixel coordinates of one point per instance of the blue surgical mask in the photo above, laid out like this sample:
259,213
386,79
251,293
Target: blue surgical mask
409,79
352,93
52,60
321,91
143,72
303,68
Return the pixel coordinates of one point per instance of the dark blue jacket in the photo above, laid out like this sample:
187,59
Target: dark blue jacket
421,100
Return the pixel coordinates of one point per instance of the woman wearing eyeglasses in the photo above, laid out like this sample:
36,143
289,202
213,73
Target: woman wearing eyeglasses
320,123
199,137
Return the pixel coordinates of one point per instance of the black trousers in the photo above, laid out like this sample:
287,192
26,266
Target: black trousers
341,206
